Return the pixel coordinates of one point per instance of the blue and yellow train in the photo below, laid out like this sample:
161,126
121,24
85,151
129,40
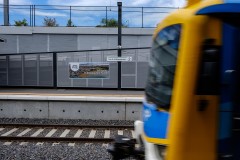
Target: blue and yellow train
192,104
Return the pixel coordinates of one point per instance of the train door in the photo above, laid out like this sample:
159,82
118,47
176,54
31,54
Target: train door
229,109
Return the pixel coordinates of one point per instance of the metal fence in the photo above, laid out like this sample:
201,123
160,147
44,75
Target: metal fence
52,69
86,16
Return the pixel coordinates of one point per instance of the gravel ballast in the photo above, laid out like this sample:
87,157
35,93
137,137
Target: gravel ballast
48,151
65,121
60,151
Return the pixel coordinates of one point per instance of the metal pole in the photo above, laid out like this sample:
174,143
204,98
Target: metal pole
6,12
55,70
119,44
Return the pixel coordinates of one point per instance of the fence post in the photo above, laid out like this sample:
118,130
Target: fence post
71,13
34,8
119,43
142,17
106,17
30,13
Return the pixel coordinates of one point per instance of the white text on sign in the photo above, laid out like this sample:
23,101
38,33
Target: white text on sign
116,59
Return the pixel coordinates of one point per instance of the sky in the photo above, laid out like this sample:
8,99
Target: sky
88,16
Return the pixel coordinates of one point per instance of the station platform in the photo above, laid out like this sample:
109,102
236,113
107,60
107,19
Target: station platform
71,104
72,94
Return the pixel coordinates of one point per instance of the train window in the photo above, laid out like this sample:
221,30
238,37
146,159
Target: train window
208,81
162,66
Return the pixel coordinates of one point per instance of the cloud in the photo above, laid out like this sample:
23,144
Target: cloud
150,19
50,14
18,2
38,13
133,3
78,2
140,2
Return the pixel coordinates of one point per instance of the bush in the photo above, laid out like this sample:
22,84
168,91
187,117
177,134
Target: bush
109,23
70,23
21,23
50,22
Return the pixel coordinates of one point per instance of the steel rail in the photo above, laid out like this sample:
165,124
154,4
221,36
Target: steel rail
64,126
54,139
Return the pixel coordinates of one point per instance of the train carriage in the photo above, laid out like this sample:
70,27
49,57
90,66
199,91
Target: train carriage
191,109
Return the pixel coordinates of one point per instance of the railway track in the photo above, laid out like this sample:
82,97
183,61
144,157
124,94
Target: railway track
62,133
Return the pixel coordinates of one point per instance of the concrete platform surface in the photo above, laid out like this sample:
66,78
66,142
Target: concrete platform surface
71,94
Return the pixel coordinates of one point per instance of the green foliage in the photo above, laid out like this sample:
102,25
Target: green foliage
109,23
21,23
50,22
70,23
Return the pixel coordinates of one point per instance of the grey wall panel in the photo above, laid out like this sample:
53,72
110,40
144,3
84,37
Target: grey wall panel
95,56
142,74
15,70
10,46
130,53
63,79
106,54
78,57
112,82
129,41
63,42
91,42
46,70
128,82
30,70
145,41
128,68
79,82
112,41
33,43
143,55
3,70
95,83
63,76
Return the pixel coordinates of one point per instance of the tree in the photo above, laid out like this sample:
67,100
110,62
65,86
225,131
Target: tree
70,23
21,23
109,23
50,22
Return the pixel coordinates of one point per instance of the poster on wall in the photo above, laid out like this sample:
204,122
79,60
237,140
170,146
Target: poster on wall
88,70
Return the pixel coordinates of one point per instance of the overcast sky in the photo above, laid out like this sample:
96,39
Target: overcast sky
91,18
